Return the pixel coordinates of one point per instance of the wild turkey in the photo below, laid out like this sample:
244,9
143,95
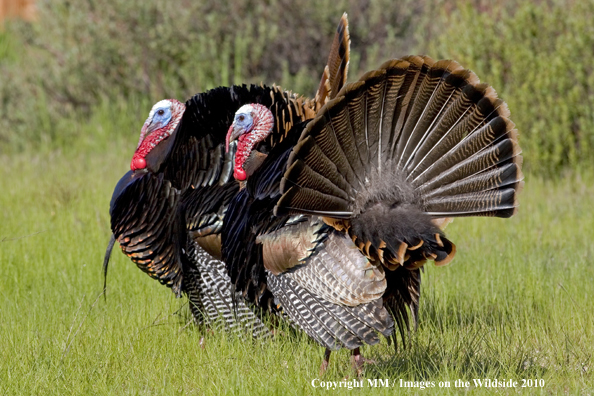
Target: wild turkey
168,210
340,216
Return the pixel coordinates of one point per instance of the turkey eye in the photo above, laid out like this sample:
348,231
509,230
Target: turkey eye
241,118
161,112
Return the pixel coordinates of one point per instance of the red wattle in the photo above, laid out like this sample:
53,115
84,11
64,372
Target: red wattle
239,174
228,138
138,163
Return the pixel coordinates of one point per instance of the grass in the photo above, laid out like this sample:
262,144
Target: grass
515,303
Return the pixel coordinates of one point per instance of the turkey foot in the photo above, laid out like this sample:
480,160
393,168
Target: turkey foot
325,363
359,361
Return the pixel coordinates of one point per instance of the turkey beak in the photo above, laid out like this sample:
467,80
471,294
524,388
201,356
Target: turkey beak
232,134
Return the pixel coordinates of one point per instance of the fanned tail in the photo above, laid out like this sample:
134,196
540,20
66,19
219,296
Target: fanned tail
146,227
410,142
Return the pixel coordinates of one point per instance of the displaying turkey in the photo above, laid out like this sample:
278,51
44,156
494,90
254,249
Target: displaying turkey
167,211
340,215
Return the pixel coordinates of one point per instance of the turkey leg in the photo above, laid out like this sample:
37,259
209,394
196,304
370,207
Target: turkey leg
326,361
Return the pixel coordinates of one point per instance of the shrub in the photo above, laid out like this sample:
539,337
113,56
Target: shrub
540,58
83,52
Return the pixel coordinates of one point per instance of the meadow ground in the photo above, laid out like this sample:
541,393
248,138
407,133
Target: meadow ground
516,303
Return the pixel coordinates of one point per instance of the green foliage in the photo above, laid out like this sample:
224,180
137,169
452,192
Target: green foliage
84,57
82,53
539,58
7,50
515,303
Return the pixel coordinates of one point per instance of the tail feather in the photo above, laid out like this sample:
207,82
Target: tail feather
424,108
345,135
396,73
418,69
335,72
504,176
476,202
451,128
442,94
375,89
330,147
303,172
355,94
485,159
319,161
313,202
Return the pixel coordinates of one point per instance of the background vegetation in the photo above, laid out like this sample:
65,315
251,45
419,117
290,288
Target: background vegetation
82,55
75,87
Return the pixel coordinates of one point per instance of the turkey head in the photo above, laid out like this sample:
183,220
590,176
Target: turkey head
158,127
252,124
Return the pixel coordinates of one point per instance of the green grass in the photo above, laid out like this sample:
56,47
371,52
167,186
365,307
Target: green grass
517,301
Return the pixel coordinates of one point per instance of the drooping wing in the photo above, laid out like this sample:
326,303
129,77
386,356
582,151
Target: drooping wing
145,222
